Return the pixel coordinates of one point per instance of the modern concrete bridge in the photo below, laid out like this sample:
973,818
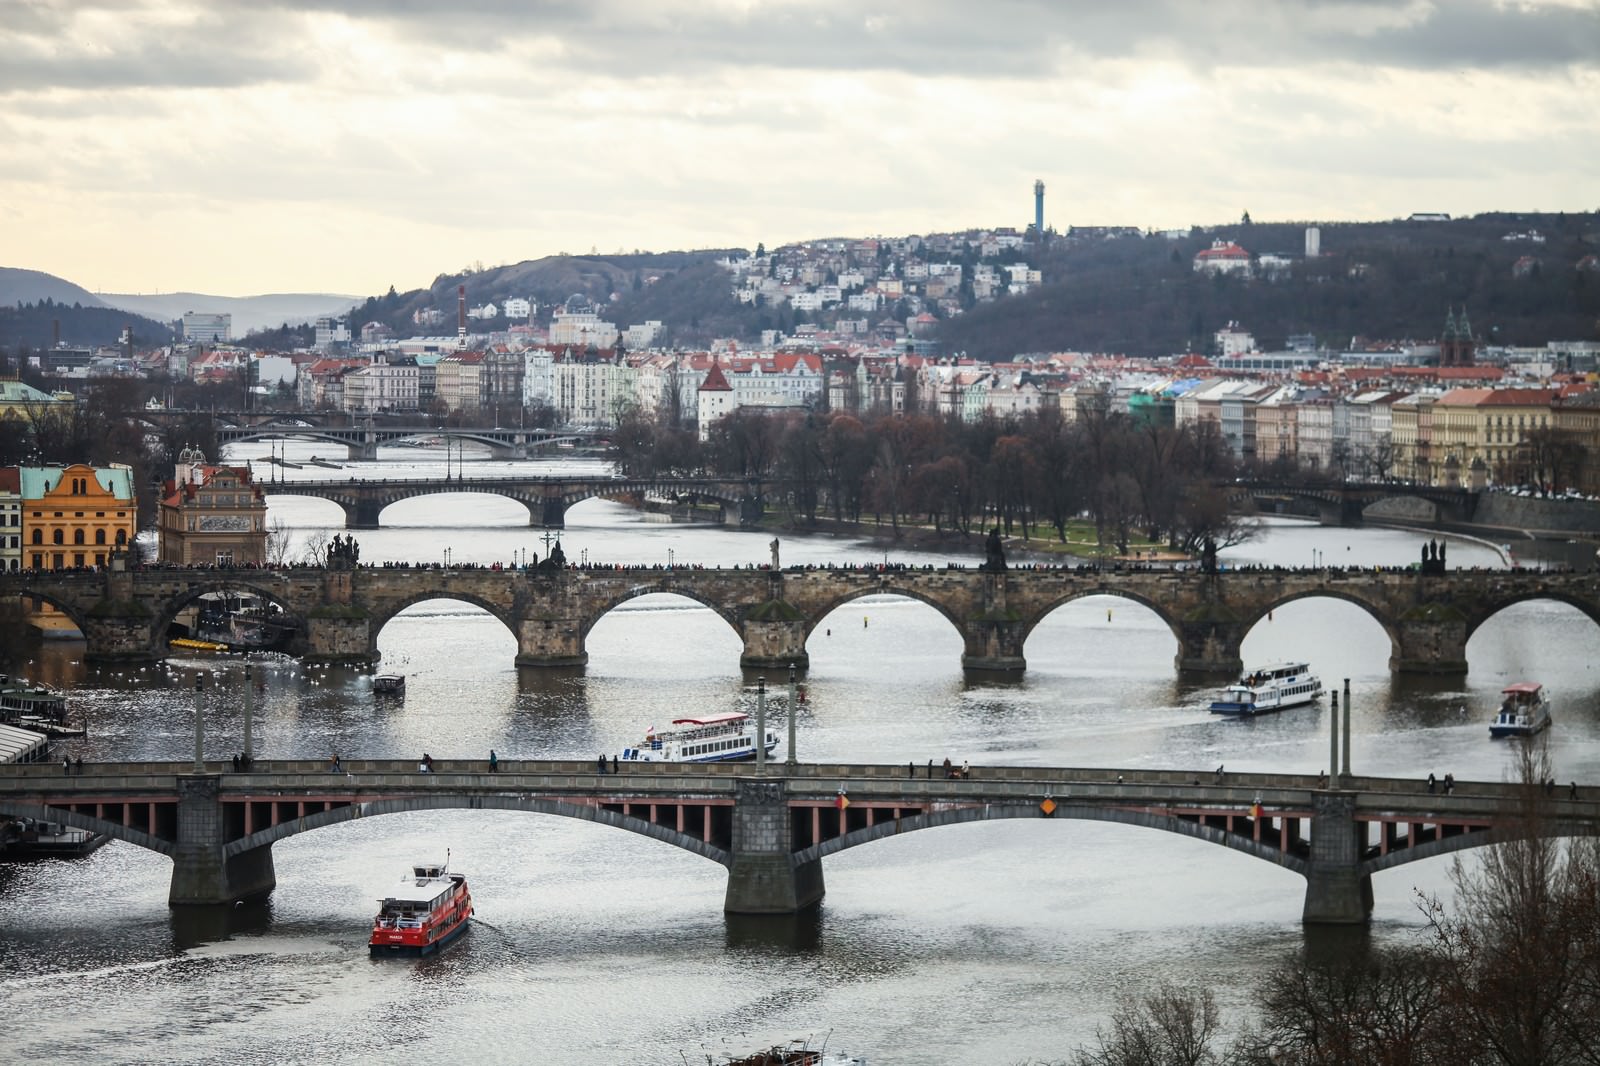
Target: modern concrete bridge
546,498
772,827
1429,617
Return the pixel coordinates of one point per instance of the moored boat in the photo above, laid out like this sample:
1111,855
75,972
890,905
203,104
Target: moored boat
429,909
36,707
709,738
1269,688
1524,711
389,684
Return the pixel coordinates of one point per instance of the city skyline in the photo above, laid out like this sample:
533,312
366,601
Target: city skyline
163,145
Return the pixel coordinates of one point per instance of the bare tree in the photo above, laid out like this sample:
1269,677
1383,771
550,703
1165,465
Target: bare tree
1169,1026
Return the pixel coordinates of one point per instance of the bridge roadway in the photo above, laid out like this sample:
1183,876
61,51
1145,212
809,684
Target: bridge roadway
1428,617
361,441
546,498
771,827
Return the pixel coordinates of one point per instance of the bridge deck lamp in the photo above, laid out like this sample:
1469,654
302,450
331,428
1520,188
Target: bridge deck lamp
794,710
199,725
247,708
761,723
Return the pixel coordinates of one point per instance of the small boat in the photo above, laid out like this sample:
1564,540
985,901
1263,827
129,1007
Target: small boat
30,838
427,911
389,684
1524,711
712,738
191,644
1269,688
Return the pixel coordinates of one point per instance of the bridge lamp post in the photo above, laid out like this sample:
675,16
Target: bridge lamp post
761,723
248,694
794,707
199,725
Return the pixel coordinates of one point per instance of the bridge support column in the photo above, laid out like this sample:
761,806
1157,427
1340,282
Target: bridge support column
201,873
1337,893
993,639
119,633
550,642
774,632
549,513
1209,640
1430,639
364,515
764,877
337,631
363,450
751,510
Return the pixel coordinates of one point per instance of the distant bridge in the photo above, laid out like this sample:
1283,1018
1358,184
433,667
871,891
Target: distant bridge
772,827
546,498
1342,504
1428,617
361,442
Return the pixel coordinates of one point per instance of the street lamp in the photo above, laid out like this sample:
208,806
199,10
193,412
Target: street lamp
761,723
669,558
794,707
199,725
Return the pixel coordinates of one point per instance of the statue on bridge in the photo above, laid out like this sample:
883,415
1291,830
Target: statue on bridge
555,560
774,547
343,553
994,552
1208,556
1433,557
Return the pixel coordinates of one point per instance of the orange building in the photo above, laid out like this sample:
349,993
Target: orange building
76,515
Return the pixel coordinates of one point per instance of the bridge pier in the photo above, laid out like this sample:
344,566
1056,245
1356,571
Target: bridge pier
992,641
363,450
774,632
1430,639
364,514
1337,893
551,513
202,874
550,642
763,876
1209,642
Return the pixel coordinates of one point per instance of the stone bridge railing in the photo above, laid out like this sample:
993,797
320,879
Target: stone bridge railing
773,827
1428,617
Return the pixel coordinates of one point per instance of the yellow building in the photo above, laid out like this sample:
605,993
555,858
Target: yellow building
76,515
22,401
1576,416
1488,425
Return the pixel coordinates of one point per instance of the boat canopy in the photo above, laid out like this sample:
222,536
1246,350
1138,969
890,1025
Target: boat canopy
21,745
1522,688
712,719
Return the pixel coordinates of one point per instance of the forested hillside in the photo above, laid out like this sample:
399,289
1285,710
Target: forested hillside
32,326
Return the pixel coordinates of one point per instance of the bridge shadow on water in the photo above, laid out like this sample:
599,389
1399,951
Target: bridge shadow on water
194,925
800,932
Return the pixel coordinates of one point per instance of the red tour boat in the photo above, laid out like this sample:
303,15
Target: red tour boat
427,911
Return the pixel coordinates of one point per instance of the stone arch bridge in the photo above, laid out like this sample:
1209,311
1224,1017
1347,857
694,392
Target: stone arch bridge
772,827
361,441
546,498
1428,617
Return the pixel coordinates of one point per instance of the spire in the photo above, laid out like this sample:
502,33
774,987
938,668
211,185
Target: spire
1449,324
1463,327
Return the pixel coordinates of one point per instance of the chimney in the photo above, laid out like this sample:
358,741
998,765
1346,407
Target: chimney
461,316
55,333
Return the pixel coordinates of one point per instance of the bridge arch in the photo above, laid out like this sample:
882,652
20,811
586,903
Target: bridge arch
1030,624
888,587
1488,611
114,830
1329,591
526,804
65,606
169,609
1457,842
1066,811
659,586
385,613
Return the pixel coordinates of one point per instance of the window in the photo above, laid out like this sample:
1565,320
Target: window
77,536
38,536
99,536
59,536
122,536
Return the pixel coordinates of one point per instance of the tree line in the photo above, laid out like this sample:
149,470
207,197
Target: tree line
1030,476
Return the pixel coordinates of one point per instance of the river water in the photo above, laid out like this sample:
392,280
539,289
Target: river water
1001,942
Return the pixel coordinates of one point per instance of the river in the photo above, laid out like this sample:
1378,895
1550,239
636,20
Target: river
998,942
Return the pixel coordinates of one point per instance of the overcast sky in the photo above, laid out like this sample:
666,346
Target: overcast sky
251,146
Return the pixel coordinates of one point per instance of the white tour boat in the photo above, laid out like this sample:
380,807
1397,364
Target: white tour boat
712,738
1270,688
1524,711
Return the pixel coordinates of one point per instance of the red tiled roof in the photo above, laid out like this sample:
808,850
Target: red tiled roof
716,380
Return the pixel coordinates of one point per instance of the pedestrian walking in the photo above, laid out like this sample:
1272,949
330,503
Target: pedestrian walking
494,762
601,763
77,766
1219,771
613,764
1431,783
930,769
1572,790
333,763
66,766
911,770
